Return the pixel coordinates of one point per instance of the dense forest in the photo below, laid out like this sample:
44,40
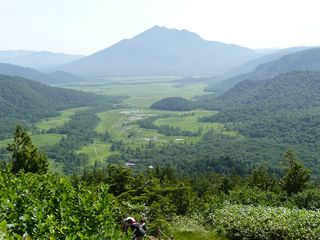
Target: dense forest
92,205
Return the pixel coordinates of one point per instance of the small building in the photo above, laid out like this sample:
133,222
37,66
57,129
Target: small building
131,162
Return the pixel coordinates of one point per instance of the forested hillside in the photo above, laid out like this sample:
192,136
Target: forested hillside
303,60
284,109
173,104
28,101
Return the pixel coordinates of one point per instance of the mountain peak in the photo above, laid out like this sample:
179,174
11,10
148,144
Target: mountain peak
157,31
161,51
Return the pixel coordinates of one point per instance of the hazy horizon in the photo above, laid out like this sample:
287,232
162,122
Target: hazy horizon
84,27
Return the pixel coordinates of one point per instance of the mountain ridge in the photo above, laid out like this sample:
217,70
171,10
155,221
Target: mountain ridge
57,77
36,59
308,59
162,51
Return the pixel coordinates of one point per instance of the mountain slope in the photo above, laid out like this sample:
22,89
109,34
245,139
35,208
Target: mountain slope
285,108
26,100
37,60
29,73
303,60
252,64
162,51
291,90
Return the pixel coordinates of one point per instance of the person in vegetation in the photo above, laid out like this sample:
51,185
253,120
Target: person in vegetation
126,223
138,231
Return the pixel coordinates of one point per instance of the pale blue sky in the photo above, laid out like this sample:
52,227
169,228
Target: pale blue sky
86,26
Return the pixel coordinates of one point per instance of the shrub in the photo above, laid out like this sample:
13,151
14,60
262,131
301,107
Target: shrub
249,222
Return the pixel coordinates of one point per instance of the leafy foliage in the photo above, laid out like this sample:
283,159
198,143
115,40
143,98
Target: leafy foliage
248,222
49,207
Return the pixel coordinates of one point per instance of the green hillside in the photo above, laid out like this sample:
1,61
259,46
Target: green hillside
173,104
23,100
283,110
285,93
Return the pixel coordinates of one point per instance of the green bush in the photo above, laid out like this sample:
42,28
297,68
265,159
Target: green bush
251,222
308,199
49,207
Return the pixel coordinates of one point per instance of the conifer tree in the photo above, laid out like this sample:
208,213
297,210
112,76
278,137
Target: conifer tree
296,176
25,155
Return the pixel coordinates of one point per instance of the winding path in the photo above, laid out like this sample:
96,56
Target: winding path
95,150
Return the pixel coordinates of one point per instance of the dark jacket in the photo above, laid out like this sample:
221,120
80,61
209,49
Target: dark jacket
137,230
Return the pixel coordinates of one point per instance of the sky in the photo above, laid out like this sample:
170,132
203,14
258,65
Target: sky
87,26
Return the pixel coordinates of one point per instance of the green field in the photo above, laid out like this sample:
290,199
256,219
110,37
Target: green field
40,140
191,122
98,151
109,121
122,125
143,95
57,121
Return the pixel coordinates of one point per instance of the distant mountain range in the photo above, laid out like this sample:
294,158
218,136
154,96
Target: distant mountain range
7,54
37,60
302,60
57,77
162,51
268,57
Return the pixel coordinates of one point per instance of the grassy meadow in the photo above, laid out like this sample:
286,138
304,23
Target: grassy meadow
40,140
99,151
190,121
58,121
142,94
